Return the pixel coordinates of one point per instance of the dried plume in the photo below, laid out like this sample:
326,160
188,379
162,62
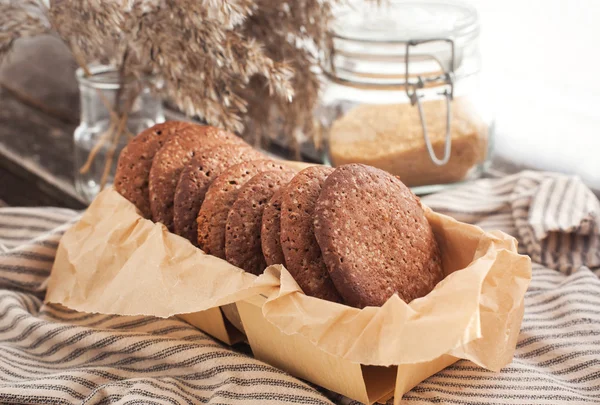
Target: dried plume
21,19
244,65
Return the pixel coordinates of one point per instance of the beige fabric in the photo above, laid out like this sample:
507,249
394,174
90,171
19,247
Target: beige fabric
52,355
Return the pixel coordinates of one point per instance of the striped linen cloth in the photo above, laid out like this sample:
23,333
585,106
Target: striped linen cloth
52,355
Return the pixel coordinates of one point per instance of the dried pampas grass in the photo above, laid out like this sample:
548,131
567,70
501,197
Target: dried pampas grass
244,65
22,19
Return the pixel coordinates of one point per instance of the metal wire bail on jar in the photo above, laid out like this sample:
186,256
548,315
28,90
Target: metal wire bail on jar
415,98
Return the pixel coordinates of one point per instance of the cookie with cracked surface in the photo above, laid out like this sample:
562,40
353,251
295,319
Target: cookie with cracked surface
242,233
270,231
375,238
301,251
195,179
220,197
135,160
170,160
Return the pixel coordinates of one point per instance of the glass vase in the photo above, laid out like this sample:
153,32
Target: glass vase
113,110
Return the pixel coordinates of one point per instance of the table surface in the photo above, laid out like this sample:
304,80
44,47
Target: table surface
39,110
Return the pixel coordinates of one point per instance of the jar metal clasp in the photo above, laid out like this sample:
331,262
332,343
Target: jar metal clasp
412,87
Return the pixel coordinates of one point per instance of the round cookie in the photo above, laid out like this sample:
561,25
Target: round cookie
195,178
242,232
375,238
302,254
135,160
219,199
170,160
270,231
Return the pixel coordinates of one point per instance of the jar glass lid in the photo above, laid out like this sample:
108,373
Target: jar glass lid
391,42
397,20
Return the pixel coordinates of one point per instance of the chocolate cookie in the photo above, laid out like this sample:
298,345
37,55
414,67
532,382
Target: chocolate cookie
135,160
219,199
170,160
270,231
242,233
375,238
302,254
195,178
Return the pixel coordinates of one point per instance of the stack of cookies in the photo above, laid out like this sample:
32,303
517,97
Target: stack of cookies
354,235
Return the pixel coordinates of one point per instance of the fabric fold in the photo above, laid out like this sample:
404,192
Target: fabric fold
555,217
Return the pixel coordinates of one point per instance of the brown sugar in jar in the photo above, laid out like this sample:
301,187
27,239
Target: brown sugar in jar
390,137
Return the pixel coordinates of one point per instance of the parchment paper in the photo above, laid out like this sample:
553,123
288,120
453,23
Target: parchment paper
115,262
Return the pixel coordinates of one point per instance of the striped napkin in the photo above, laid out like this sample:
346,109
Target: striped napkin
52,355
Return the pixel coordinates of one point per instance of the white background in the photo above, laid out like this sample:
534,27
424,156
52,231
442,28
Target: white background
542,69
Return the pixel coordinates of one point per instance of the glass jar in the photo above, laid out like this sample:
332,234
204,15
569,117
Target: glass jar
112,111
402,92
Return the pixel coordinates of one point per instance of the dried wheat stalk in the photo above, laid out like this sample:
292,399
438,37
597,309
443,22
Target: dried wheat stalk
243,65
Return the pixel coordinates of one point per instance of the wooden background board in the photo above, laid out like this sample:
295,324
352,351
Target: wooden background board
39,111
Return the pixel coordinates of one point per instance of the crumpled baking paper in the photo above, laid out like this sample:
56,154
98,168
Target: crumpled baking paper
113,261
